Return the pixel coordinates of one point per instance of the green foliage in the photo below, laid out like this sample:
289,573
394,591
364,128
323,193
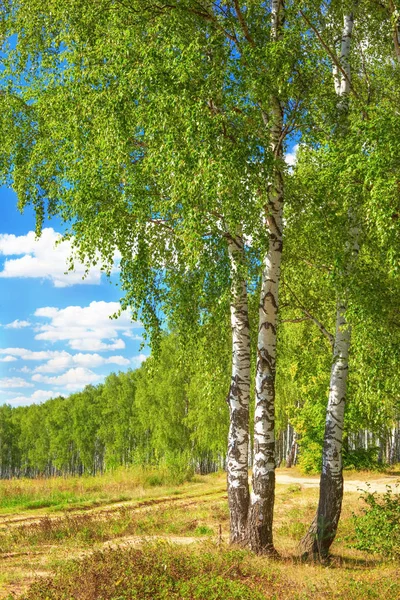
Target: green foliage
362,459
163,147
378,529
310,460
157,415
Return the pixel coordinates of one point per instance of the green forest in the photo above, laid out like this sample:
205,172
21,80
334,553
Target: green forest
238,164
161,414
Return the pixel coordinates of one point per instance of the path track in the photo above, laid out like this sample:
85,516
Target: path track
7,521
350,485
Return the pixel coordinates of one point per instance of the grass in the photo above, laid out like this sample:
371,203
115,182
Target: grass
105,538
59,493
162,571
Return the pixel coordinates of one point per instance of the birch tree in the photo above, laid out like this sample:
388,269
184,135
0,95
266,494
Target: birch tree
146,213
323,529
263,481
239,396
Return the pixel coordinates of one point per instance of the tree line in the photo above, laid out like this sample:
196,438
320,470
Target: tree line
144,417
160,415
159,131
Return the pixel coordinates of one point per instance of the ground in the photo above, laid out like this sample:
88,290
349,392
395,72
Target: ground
46,523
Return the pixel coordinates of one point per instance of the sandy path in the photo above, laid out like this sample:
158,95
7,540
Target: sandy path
104,510
350,485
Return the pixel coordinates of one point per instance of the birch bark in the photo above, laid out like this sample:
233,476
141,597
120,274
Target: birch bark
323,529
292,453
238,397
263,481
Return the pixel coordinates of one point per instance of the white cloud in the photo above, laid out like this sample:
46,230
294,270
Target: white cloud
38,396
86,328
15,382
139,359
73,379
132,336
64,360
17,324
42,258
29,354
58,360
90,345
291,157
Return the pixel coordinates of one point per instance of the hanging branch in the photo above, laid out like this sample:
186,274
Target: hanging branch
243,24
321,327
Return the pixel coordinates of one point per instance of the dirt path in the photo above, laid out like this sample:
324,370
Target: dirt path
106,509
350,485
21,566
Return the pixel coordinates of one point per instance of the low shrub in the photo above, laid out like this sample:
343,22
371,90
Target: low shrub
156,572
377,530
362,460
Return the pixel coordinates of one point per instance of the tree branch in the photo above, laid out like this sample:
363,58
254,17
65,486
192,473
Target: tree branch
310,316
243,24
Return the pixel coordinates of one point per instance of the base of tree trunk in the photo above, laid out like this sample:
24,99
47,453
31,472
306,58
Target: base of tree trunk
260,519
238,500
316,543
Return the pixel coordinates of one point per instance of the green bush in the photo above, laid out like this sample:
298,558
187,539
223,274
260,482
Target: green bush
310,459
362,460
378,529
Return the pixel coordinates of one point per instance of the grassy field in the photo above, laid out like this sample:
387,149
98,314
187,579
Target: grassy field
133,535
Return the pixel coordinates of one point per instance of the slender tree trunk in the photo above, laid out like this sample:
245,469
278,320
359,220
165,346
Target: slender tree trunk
323,529
392,454
291,456
263,495
263,481
238,397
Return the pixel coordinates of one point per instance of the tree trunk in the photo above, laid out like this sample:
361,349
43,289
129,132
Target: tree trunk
393,440
323,529
292,454
238,397
263,482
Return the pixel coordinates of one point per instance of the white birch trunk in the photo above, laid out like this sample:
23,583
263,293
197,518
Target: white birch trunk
238,397
263,481
323,529
392,455
292,452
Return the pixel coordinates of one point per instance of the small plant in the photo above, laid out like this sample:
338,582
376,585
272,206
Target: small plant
378,529
294,488
203,530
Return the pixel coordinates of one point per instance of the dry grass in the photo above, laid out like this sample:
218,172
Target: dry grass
60,493
39,541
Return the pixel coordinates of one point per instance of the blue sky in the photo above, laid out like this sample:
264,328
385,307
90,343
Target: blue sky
56,335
